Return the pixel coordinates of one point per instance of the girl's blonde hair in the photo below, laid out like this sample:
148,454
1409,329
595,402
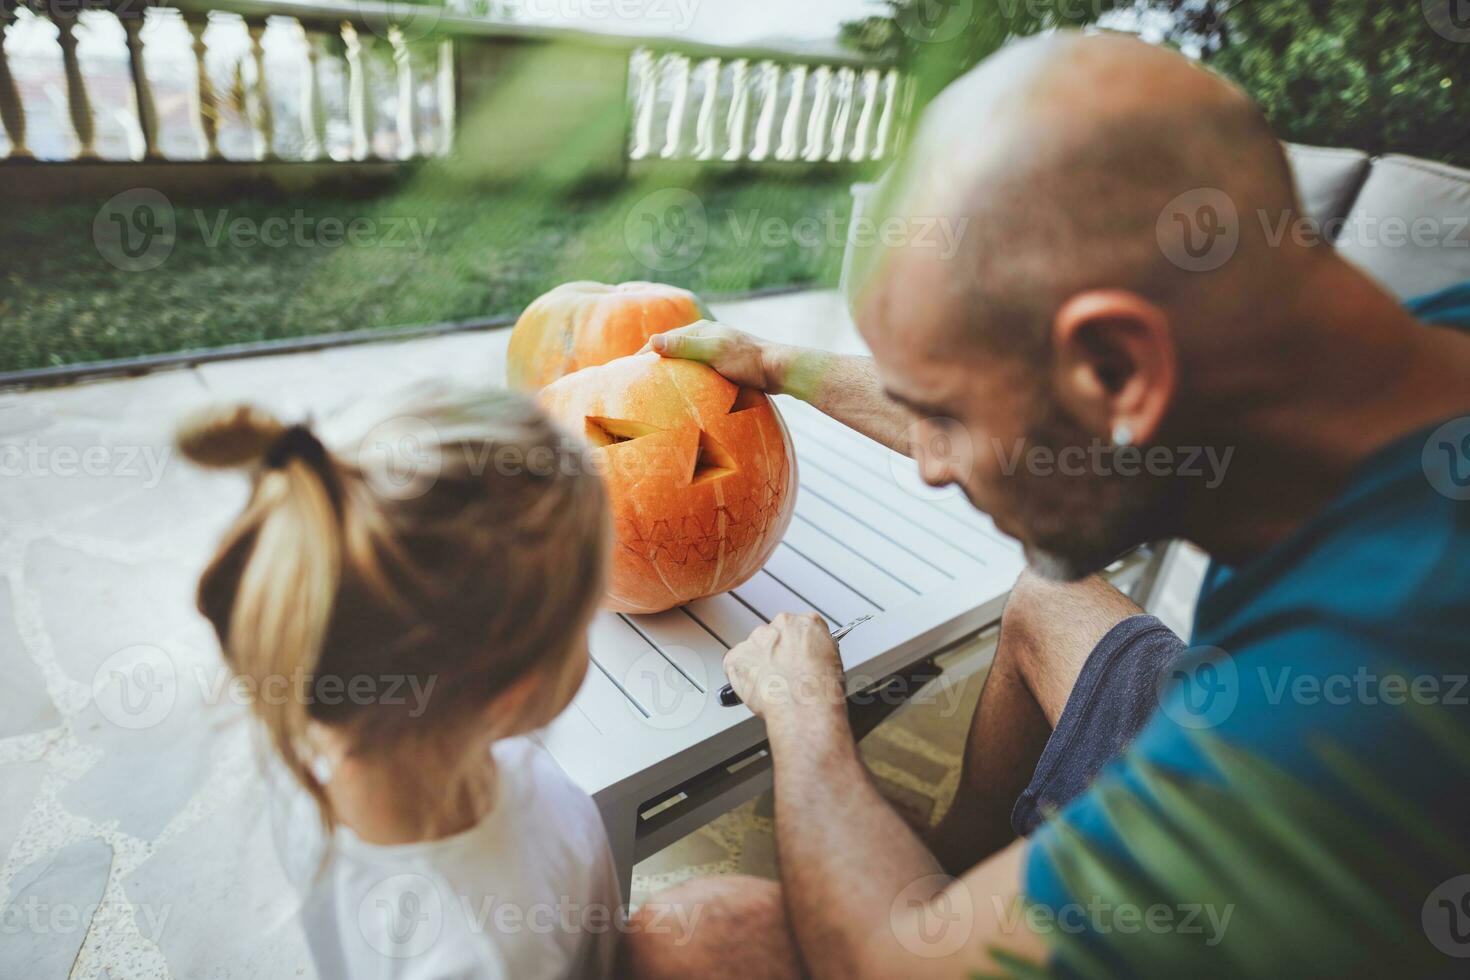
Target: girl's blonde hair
455,547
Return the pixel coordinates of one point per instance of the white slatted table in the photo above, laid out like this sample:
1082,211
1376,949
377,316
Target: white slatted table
646,736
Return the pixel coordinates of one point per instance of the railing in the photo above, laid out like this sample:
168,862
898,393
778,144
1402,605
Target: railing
275,81
742,109
209,83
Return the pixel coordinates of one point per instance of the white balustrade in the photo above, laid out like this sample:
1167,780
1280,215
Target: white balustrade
770,98
643,73
791,125
704,130
816,126
12,112
844,85
676,74
739,114
742,110
863,132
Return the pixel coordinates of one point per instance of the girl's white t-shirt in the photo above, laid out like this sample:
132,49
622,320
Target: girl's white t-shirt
529,893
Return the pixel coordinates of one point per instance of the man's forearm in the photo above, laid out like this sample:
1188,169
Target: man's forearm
844,386
845,855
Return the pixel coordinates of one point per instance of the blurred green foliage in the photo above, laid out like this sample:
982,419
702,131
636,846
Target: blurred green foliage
1363,73
1385,77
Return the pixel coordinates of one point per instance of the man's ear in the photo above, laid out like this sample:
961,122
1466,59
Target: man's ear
1114,362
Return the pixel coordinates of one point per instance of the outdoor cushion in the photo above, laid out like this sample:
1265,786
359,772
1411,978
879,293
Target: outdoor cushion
1410,225
1326,178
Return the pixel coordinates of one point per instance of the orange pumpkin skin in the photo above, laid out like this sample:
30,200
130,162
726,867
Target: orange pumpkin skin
583,324
700,473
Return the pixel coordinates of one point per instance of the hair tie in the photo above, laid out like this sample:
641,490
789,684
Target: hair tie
297,442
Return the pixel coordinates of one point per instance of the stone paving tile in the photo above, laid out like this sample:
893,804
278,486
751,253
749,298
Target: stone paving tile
22,782
94,607
215,901
25,705
50,908
148,727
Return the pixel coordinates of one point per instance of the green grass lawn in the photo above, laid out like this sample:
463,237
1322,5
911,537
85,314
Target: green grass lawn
253,269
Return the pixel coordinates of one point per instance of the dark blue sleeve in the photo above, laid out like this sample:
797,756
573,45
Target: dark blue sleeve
1293,696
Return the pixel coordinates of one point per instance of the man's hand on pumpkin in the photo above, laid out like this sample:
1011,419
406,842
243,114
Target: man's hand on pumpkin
788,669
745,360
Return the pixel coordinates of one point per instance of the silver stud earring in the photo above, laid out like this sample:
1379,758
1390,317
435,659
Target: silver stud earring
1122,435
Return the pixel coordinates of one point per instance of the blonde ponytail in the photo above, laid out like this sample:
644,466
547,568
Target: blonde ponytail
483,575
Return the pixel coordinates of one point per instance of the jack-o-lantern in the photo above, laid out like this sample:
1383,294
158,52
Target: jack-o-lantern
700,473
583,324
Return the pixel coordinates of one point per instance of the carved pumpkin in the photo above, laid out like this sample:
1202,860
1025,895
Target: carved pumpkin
700,474
583,324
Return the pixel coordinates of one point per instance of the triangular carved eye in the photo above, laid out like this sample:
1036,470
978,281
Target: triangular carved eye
712,462
746,398
610,432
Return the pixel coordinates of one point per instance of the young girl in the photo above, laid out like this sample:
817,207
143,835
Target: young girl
406,619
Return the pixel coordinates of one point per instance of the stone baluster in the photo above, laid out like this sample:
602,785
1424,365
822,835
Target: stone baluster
359,92
791,125
642,68
765,124
845,85
132,23
313,116
447,108
862,134
258,102
677,70
12,111
739,114
882,140
76,86
404,116
208,113
704,129
816,128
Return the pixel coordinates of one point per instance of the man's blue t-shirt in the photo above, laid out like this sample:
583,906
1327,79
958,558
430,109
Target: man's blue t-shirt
1300,803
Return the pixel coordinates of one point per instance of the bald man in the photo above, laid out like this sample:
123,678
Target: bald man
1118,292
